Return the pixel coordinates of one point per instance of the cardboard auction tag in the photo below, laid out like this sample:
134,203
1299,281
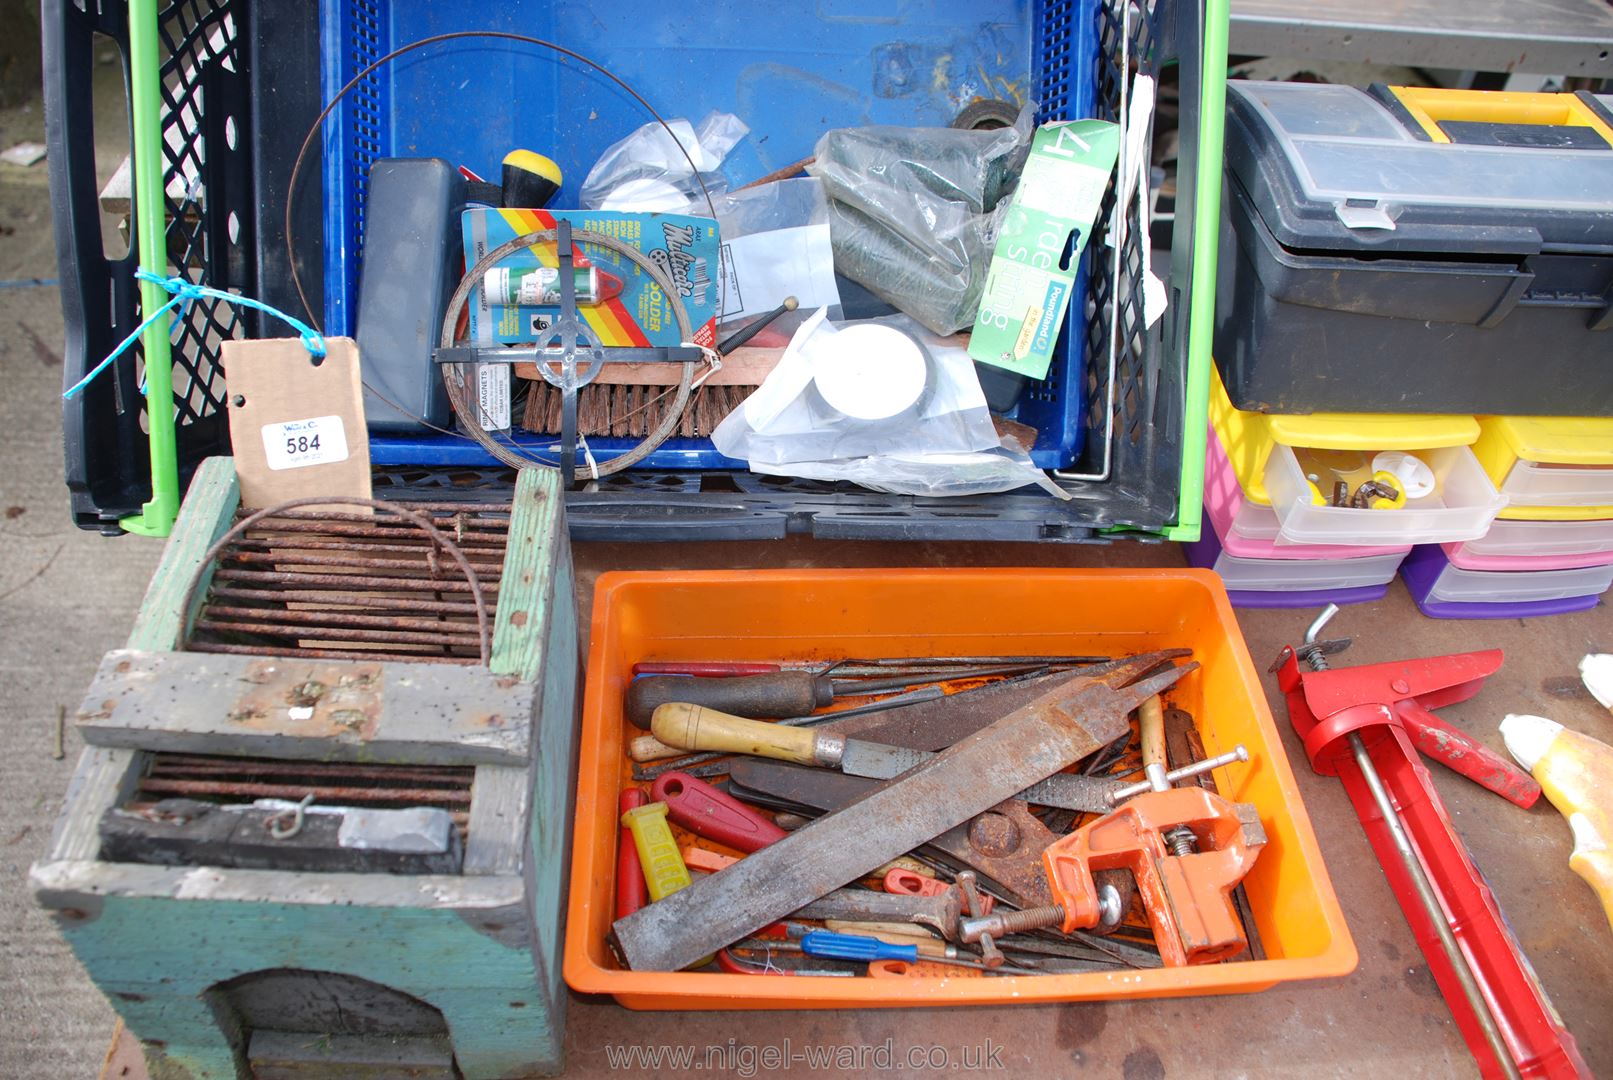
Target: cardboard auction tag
297,427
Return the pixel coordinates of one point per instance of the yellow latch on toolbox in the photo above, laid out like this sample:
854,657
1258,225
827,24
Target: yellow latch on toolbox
1434,109
1248,437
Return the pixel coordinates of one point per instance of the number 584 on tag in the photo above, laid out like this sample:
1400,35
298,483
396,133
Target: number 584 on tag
296,444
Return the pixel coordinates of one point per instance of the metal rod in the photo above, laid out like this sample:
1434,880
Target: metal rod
333,633
429,509
185,765
298,652
1430,902
343,528
284,558
345,582
334,792
301,618
307,542
368,601
1185,772
1314,630
1419,876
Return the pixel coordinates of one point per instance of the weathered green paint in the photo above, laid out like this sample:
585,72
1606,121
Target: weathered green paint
535,639
208,512
156,959
554,793
527,587
484,950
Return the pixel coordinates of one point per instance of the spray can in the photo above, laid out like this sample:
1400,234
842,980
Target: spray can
539,286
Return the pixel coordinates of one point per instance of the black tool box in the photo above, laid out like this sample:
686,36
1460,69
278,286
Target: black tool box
1411,250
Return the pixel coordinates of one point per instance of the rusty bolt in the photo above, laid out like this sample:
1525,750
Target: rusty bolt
1001,923
990,955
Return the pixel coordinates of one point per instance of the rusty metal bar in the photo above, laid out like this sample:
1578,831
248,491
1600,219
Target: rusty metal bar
285,558
305,542
327,654
343,528
181,765
334,633
246,789
369,601
345,582
300,618
478,511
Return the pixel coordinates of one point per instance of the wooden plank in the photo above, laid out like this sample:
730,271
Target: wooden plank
500,798
527,590
104,778
88,878
207,513
323,710
536,641
746,366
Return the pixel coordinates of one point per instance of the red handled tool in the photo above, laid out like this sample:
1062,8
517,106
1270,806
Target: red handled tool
716,815
1351,731
631,891
907,883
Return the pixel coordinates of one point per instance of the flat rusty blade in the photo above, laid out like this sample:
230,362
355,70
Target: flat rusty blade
1074,718
936,725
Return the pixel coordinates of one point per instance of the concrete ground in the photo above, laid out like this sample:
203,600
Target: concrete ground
66,597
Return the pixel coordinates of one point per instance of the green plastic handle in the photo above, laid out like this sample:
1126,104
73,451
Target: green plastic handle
156,518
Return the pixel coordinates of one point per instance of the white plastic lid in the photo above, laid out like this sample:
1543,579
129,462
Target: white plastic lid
871,372
1415,477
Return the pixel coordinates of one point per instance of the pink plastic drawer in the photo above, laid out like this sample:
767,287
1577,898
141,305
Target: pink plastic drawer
1465,560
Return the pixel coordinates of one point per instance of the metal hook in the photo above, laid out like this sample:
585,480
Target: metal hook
297,819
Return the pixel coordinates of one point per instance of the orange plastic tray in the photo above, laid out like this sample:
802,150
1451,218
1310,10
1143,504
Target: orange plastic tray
822,614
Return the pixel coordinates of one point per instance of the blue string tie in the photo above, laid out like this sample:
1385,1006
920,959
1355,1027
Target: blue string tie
184,291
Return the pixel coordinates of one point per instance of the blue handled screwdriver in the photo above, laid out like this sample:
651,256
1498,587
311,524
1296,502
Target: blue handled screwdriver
836,946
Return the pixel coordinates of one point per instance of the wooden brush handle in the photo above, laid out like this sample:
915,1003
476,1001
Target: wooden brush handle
694,728
1151,731
649,748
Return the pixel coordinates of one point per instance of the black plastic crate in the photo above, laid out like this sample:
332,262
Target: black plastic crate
250,118
227,123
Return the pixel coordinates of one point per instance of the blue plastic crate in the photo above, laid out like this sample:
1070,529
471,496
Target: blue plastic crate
790,73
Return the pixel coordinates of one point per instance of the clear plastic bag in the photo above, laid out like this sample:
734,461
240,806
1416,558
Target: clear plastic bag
852,390
912,212
647,172
775,243
983,472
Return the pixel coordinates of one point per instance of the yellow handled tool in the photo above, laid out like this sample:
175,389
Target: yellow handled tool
692,727
664,869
